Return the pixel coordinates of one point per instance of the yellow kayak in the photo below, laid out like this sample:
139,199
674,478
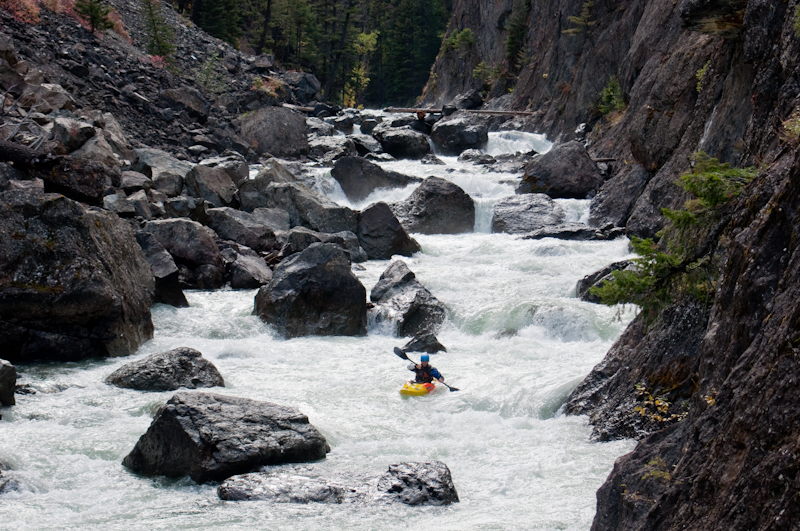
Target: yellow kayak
416,389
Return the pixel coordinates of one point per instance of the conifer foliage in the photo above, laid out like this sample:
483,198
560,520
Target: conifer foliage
95,13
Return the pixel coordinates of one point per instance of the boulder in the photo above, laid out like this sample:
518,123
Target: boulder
398,296
304,86
251,192
327,149
168,371
242,227
246,269
381,235
232,163
319,127
275,218
368,125
167,288
567,231
460,131
413,122
365,144
359,178
187,241
45,97
432,160
314,292
80,179
300,238
185,207
166,171
214,185
212,437
118,204
424,342
402,142
436,207
275,130
566,171
74,283
141,204
598,278
70,134
98,149
8,382
305,207
410,483
468,100
187,99
133,181
518,214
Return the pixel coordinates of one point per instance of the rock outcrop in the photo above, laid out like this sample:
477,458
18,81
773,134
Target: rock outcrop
402,142
381,235
400,298
409,483
359,177
168,371
211,437
8,382
275,131
437,206
73,281
566,171
314,293
460,131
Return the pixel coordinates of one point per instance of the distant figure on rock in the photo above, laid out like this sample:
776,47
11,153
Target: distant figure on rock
425,372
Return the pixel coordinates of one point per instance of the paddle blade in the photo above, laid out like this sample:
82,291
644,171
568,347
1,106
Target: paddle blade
399,352
452,389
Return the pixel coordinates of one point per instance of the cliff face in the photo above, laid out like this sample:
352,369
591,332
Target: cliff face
746,50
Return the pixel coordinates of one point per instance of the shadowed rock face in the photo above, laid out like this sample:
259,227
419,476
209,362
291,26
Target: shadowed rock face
381,235
168,371
314,292
566,171
212,437
410,483
359,178
8,382
73,281
398,296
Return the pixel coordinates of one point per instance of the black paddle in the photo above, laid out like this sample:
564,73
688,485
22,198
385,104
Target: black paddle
399,352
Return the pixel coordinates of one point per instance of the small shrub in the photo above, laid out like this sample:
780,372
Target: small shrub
272,86
95,13
22,10
160,36
791,127
701,73
517,27
797,20
459,41
581,22
611,97
118,26
658,469
208,77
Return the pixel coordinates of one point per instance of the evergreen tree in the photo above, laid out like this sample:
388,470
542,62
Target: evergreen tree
95,13
161,38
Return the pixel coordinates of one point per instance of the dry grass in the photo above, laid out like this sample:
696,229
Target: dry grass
28,11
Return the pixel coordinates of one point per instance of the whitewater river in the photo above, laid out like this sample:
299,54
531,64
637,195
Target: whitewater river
518,342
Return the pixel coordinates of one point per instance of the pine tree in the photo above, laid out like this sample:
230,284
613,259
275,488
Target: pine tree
161,38
95,13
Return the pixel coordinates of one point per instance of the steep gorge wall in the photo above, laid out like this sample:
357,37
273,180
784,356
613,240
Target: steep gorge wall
655,49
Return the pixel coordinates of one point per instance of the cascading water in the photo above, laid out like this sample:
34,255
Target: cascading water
518,341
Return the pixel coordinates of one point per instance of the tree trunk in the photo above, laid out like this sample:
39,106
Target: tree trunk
262,40
339,52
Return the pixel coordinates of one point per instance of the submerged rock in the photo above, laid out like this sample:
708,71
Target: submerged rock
314,292
168,371
212,437
73,281
409,483
424,342
399,297
520,214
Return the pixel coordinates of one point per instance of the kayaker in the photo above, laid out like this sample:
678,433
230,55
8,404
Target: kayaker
425,372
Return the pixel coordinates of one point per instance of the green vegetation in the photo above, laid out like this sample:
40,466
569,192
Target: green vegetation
701,73
160,37
459,41
209,77
611,97
682,263
791,127
327,38
581,22
95,13
797,20
658,469
517,27
486,74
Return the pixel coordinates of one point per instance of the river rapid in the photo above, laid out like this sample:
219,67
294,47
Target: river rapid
518,342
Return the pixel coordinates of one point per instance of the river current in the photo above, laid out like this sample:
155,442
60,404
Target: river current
518,342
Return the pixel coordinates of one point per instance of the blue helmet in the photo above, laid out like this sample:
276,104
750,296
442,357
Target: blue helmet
425,357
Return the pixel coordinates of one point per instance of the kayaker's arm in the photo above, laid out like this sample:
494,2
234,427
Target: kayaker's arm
436,374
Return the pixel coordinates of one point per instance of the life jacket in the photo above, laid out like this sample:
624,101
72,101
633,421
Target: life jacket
424,374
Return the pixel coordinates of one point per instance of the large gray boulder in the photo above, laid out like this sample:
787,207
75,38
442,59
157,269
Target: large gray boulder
305,207
457,132
381,235
300,238
275,130
410,483
436,207
246,269
314,292
359,177
168,371
518,214
8,383
232,163
165,271
251,192
211,184
402,142
187,241
327,149
73,281
567,231
400,298
566,171
159,165
242,227
211,437
187,99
